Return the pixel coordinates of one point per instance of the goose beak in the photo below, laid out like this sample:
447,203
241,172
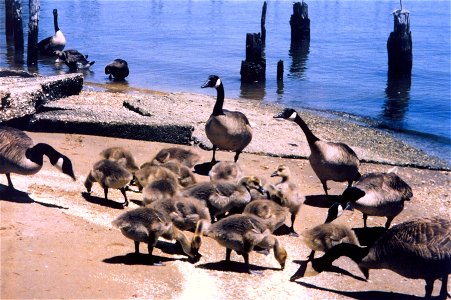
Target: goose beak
349,206
205,85
280,115
262,190
274,174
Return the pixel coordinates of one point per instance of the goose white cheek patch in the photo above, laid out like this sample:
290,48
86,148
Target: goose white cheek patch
218,83
59,164
292,117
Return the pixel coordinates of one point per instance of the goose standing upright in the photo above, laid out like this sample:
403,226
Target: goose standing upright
378,194
19,155
329,161
417,249
226,130
53,43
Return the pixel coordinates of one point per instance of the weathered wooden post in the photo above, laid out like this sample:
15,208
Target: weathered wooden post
280,70
18,26
254,67
399,45
9,19
33,29
300,22
262,25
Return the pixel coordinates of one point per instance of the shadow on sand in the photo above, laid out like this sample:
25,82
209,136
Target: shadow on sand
101,201
16,196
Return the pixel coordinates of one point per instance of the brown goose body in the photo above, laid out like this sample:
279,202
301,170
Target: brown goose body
121,155
226,170
271,214
177,154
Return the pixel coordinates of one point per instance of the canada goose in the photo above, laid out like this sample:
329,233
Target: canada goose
289,194
225,170
271,214
184,174
417,249
74,59
121,156
226,130
109,174
329,161
159,190
241,233
224,196
57,42
183,156
118,69
19,155
184,212
145,224
378,194
148,173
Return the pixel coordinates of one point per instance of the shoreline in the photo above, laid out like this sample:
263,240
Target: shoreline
374,145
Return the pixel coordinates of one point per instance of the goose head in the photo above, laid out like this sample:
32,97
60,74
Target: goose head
287,114
213,81
282,171
252,182
336,210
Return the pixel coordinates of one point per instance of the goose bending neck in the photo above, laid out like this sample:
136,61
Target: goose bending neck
37,153
217,110
311,138
354,252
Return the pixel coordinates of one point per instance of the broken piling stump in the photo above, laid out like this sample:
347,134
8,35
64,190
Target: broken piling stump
32,54
300,22
18,25
399,45
280,70
254,67
262,25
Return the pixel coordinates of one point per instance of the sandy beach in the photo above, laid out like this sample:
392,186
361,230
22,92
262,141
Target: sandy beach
57,241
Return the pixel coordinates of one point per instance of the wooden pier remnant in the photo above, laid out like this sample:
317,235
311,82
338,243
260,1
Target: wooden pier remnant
399,45
262,25
254,67
300,22
33,29
9,19
17,25
280,70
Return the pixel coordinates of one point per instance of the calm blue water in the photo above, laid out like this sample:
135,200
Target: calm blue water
175,45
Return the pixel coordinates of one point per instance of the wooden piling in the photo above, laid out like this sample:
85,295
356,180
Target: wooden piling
280,70
9,19
399,45
262,25
18,25
254,67
33,29
300,22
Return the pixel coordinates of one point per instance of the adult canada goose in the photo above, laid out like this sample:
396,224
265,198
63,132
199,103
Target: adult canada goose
329,161
224,196
18,154
241,233
118,69
417,249
177,154
271,214
378,194
109,174
225,170
289,194
74,59
146,224
122,156
57,42
184,212
226,130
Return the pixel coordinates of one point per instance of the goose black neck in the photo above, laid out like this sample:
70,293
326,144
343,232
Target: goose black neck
37,153
55,22
311,138
354,252
217,110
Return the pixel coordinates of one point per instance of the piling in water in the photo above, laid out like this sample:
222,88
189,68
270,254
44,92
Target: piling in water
254,67
33,29
300,22
280,70
399,45
18,26
9,19
262,25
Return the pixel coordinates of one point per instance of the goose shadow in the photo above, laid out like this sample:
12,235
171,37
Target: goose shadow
204,168
369,295
323,201
367,236
232,266
101,201
282,230
16,196
332,269
137,259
